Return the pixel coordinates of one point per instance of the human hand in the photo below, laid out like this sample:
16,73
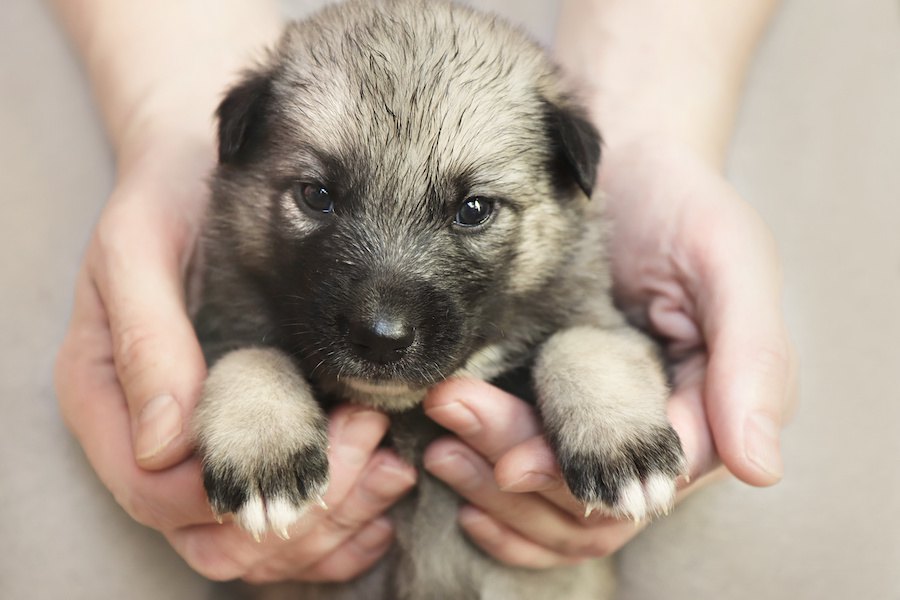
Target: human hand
129,374
333,544
697,267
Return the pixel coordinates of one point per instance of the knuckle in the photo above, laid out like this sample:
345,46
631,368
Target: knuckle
133,345
341,521
116,225
65,382
211,561
775,355
593,544
138,507
596,549
216,566
341,572
258,576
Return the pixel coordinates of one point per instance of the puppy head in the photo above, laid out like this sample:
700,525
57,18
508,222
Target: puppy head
402,180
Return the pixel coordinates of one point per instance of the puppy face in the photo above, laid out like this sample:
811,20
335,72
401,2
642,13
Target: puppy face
402,181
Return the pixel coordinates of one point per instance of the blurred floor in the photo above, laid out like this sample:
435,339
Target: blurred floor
817,151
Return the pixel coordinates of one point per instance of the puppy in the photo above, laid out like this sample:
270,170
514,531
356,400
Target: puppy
402,196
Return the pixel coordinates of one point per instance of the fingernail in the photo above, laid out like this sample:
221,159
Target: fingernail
456,470
456,417
390,478
532,481
763,445
471,517
158,424
354,434
375,535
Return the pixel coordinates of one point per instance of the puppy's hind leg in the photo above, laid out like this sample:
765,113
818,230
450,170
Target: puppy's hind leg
602,395
262,439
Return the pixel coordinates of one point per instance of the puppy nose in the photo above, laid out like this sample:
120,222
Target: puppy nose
381,339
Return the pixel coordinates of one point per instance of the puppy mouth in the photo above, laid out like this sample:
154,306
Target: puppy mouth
342,365
378,387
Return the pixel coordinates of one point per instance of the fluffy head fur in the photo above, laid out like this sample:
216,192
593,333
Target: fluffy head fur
402,196
402,111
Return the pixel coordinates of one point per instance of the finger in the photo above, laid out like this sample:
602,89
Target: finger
227,551
485,417
531,467
354,433
530,515
506,545
94,409
751,363
384,481
224,552
687,414
356,556
139,260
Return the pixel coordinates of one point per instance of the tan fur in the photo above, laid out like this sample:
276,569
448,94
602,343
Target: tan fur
257,409
405,109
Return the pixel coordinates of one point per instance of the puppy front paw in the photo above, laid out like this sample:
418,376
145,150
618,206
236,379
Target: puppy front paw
262,440
633,478
269,491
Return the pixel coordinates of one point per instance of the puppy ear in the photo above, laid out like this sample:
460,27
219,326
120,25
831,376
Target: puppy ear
576,144
242,116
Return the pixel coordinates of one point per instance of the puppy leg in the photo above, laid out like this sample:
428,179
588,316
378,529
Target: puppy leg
262,439
602,395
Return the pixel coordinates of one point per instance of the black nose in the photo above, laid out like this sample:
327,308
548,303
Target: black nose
381,339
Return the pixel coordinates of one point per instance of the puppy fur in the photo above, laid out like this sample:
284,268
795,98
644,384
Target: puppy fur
418,172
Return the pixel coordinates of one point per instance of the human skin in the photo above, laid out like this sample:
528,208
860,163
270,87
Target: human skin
692,262
130,369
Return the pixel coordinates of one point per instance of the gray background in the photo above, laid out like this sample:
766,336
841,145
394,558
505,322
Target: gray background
817,151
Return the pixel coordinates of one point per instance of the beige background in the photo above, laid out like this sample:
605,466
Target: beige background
817,151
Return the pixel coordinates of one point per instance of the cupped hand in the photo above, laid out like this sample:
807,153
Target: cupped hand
696,266
129,373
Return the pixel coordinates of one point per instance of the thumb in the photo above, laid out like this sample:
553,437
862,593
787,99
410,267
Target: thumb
157,356
751,374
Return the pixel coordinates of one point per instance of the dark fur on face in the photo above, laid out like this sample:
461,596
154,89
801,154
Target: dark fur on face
401,137
402,196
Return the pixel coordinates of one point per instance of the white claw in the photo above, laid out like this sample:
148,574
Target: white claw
659,490
631,500
588,509
281,513
283,533
252,517
321,502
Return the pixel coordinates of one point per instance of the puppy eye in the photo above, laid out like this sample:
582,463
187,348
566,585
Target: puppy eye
314,196
474,211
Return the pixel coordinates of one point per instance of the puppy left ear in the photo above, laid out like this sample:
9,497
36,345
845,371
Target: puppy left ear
576,144
242,116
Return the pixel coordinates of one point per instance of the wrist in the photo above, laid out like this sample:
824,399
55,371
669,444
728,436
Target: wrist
656,69
168,142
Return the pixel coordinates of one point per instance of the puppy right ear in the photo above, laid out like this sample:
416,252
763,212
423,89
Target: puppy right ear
576,144
242,116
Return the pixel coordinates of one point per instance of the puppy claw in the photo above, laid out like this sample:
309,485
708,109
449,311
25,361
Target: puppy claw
321,502
588,509
264,498
281,513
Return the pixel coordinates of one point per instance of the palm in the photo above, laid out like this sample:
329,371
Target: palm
694,264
